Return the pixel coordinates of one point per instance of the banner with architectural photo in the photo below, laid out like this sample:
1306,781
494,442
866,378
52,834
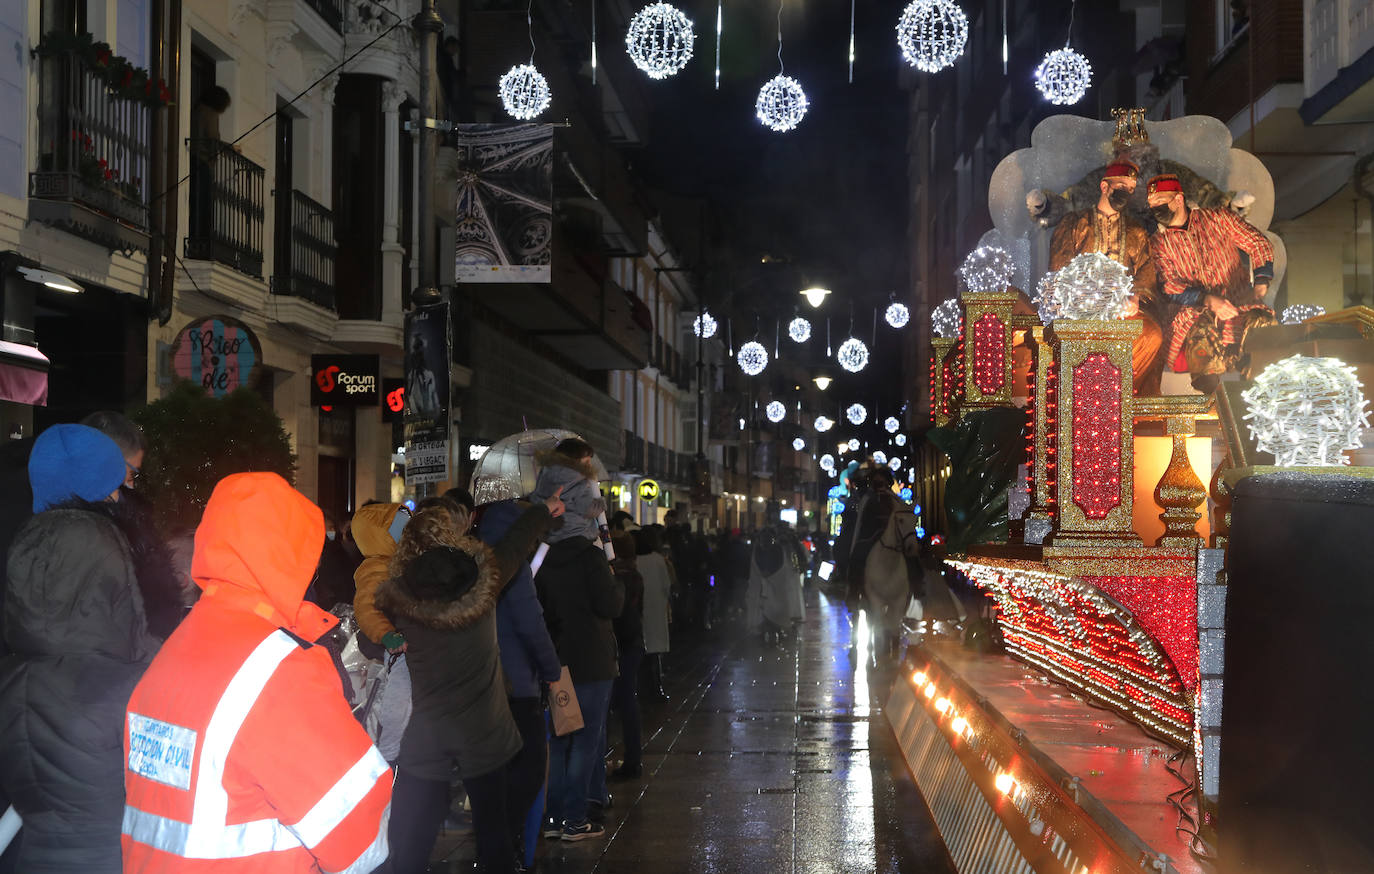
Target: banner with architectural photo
504,223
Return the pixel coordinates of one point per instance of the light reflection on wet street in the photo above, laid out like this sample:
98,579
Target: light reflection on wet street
765,758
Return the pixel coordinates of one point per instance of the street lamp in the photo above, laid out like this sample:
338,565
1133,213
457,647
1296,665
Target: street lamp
822,382
815,295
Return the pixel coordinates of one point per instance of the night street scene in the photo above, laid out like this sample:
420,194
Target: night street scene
707,437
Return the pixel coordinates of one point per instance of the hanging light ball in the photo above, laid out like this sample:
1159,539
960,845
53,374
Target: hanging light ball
947,319
781,104
704,326
897,315
660,40
856,414
823,424
1064,76
1307,411
799,330
880,457
1090,287
853,444
900,439
798,444
827,462
987,269
1301,312
895,464
852,355
891,424
752,358
932,34
775,411
524,92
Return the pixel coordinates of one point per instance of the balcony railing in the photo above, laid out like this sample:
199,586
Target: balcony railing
226,206
304,266
93,145
330,10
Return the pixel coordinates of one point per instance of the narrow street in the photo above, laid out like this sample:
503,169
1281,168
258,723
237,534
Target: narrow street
772,759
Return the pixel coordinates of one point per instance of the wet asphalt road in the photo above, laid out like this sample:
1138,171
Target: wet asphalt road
763,759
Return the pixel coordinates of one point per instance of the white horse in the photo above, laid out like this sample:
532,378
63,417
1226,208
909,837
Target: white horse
885,581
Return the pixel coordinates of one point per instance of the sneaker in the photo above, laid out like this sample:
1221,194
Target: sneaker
552,829
583,831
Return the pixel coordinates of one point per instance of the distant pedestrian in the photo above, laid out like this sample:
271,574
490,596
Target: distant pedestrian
658,593
629,636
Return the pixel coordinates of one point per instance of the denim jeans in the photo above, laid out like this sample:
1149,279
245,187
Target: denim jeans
572,757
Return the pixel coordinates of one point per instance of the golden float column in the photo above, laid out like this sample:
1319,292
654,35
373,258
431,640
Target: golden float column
942,393
987,349
1040,516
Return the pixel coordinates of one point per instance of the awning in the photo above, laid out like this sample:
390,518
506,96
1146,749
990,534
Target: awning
23,374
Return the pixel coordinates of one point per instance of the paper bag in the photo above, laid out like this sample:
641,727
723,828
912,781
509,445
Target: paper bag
563,706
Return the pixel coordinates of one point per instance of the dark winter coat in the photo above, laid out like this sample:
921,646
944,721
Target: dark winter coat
460,716
75,624
527,653
629,625
581,596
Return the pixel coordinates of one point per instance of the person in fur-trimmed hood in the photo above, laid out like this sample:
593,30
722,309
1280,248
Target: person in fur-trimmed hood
441,592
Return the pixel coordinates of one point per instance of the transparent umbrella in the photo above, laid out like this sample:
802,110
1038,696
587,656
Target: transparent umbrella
508,469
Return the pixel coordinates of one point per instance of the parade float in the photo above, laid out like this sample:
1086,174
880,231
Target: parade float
1092,740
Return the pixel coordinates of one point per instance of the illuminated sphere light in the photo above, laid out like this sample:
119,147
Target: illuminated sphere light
798,444
1301,312
987,269
895,464
524,92
853,444
1091,287
775,411
752,358
1064,76
856,413
900,439
1307,411
827,462
660,40
897,315
852,355
880,457
947,319
823,424
892,425
704,326
799,330
1043,299
932,34
781,104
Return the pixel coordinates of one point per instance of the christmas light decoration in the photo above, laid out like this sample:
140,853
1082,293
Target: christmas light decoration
1063,76
799,330
852,355
932,34
823,424
1301,312
987,269
752,358
775,411
989,353
781,104
827,462
660,39
1307,411
900,439
892,425
897,315
524,92
1043,299
1096,467
856,414
854,444
1091,286
798,444
895,464
947,319
704,326
880,457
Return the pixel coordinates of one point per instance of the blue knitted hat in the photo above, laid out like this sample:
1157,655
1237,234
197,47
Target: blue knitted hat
73,461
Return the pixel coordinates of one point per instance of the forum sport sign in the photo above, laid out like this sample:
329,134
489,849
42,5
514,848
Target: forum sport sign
344,381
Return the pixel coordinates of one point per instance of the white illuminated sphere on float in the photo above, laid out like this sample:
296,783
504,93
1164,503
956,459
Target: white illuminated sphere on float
947,319
897,315
932,34
1043,299
775,411
891,424
987,269
852,355
827,462
853,444
781,104
900,439
1090,287
704,326
823,424
524,92
1307,411
752,358
1301,312
799,330
856,413
660,39
880,457
1064,76
798,444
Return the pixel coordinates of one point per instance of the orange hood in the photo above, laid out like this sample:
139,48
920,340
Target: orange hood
257,546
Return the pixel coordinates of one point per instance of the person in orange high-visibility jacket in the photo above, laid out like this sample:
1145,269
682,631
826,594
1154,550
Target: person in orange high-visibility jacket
241,753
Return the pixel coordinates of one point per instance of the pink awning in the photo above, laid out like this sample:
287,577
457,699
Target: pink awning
23,374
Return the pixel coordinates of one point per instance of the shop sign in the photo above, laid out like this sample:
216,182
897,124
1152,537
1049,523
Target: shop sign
648,490
218,353
344,380
393,400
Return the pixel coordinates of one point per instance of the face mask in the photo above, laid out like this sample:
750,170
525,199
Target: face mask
329,535
1162,213
1118,197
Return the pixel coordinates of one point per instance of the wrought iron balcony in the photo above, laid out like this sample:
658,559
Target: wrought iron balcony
304,257
226,207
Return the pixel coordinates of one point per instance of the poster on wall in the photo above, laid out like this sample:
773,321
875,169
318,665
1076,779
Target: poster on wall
504,227
428,352
218,353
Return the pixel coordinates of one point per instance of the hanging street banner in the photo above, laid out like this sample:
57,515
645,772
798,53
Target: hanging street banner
218,353
429,344
504,227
